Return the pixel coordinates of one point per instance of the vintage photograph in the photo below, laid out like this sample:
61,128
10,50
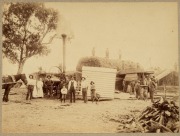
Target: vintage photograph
90,67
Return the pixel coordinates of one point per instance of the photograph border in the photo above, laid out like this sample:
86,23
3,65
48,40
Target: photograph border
85,134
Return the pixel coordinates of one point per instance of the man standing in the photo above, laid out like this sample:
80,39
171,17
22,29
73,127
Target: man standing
132,84
60,86
152,88
155,83
72,89
84,88
137,89
123,85
148,80
30,86
49,83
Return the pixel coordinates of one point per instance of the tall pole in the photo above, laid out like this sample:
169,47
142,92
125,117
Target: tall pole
64,52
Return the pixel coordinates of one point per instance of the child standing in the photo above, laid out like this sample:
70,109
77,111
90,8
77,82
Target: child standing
93,91
64,93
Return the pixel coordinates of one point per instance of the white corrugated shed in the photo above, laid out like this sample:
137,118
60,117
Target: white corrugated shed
104,79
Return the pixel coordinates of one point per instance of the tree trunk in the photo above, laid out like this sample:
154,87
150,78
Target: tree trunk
20,67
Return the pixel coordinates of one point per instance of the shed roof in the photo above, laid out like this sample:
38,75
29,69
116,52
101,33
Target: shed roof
130,77
163,74
99,69
133,71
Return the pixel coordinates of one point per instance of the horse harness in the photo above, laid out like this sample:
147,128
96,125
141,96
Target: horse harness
6,79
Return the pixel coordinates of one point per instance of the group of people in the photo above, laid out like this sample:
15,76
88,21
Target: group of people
141,88
35,89
72,85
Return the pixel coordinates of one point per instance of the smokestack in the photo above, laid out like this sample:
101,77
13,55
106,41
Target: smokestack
64,52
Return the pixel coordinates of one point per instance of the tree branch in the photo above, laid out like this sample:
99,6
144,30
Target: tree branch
44,35
50,40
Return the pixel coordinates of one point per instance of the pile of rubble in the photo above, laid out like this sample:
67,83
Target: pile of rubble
127,124
161,117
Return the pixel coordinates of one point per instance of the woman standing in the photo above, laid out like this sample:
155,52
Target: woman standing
40,88
35,90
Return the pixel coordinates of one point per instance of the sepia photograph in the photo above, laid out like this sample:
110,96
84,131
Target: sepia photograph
90,67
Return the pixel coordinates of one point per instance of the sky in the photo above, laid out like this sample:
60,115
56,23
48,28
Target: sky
144,32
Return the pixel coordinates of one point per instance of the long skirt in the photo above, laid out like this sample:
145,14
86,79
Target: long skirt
40,92
35,92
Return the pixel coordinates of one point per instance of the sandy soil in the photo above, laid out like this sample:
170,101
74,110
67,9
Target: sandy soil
52,116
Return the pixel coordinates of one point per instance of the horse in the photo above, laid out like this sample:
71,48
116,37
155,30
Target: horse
9,81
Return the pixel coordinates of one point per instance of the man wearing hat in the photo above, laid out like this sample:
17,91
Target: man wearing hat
72,89
49,83
84,88
137,89
152,89
30,86
155,81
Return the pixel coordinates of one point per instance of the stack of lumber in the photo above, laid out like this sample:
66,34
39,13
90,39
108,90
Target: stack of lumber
127,124
161,117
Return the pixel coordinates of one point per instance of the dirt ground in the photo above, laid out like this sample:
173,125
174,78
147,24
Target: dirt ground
51,116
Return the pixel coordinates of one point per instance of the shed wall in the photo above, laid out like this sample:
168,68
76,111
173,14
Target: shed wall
104,79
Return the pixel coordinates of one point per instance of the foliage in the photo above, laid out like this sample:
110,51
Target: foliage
97,62
24,28
105,62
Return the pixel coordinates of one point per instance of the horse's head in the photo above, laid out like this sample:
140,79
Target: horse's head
22,77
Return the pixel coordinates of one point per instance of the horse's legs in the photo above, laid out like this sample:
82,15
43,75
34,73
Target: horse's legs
8,90
6,93
6,87
4,96
5,90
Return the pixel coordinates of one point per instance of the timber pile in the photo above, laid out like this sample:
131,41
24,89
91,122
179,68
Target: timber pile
128,124
161,117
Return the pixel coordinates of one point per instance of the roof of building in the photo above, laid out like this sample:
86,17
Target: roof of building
163,74
98,69
134,71
106,63
131,77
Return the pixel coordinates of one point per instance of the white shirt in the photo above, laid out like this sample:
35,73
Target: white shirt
84,84
64,91
75,84
31,81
